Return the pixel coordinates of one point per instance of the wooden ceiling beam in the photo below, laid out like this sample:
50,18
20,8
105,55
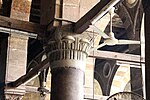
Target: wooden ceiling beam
25,26
117,56
47,11
130,58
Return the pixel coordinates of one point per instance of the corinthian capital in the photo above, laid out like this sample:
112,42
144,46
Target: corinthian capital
67,51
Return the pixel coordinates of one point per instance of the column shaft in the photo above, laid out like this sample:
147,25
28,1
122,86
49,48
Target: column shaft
67,84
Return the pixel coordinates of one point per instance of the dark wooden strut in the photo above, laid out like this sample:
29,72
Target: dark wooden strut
146,6
40,67
97,54
47,12
100,54
82,24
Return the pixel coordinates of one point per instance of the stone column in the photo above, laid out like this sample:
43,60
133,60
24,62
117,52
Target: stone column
67,57
15,64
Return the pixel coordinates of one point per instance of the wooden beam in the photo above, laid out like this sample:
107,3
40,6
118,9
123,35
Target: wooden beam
132,64
21,25
96,54
47,11
97,11
6,7
146,6
43,65
117,56
31,89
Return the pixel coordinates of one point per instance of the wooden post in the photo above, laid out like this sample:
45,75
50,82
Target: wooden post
146,6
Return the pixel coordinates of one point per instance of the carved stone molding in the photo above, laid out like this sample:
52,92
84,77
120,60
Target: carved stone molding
13,97
69,51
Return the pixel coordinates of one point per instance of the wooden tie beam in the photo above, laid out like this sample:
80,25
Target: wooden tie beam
96,54
25,26
117,56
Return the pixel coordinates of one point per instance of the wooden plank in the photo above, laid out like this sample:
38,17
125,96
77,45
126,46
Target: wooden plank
132,64
117,56
21,25
21,33
98,10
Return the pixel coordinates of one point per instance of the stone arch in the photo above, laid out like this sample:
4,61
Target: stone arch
131,16
105,79
128,86
121,79
97,88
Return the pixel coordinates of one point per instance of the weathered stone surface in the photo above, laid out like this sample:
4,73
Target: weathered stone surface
22,6
88,4
71,2
16,63
88,82
20,9
32,96
83,11
57,11
19,15
121,79
16,59
71,12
